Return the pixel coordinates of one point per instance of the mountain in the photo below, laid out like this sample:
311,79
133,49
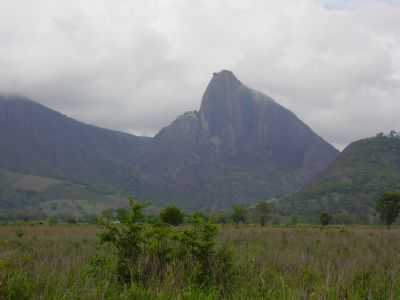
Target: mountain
351,185
40,141
241,146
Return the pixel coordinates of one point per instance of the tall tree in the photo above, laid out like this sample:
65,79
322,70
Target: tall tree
263,209
172,215
325,219
388,208
239,214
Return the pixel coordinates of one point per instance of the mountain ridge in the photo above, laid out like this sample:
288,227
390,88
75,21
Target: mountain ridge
239,146
351,185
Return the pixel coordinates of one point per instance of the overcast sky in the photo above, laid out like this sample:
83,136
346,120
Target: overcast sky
136,65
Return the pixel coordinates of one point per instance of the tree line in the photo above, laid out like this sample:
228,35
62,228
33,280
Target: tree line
387,210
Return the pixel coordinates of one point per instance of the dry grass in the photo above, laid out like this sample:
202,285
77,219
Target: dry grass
313,263
272,263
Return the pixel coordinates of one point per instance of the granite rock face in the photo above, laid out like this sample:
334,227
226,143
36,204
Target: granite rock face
241,146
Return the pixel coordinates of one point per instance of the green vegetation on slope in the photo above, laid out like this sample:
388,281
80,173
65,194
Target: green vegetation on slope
34,197
350,187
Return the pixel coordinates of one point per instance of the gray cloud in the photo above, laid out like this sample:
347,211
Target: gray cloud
135,65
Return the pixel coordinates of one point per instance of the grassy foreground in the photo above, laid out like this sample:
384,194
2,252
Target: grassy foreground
56,262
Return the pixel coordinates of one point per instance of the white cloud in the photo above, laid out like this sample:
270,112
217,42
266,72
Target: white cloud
135,65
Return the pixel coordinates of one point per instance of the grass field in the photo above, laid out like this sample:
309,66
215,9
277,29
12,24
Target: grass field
52,262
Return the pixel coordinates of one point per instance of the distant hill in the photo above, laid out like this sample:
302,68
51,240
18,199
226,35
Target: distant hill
362,173
27,196
40,141
241,146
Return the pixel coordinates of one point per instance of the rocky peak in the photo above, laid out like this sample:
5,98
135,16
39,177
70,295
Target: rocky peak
219,91
243,120
227,111
224,78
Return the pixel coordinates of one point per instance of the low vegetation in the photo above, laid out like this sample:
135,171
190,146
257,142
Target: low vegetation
134,256
27,197
301,262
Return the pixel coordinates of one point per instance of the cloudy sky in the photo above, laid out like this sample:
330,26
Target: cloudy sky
135,65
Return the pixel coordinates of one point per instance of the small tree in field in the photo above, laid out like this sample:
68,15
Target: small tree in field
388,208
325,219
263,209
52,221
239,214
122,214
107,214
147,253
172,215
128,239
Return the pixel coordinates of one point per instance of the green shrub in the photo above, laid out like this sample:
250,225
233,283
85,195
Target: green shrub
52,221
19,233
262,212
325,219
239,214
128,238
71,220
17,286
198,244
147,254
172,215
388,208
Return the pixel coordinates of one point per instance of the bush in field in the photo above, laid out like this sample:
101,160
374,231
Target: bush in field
147,253
388,208
219,218
197,215
198,243
71,220
52,221
239,214
128,239
122,214
108,214
207,265
19,233
262,211
172,215
325,219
